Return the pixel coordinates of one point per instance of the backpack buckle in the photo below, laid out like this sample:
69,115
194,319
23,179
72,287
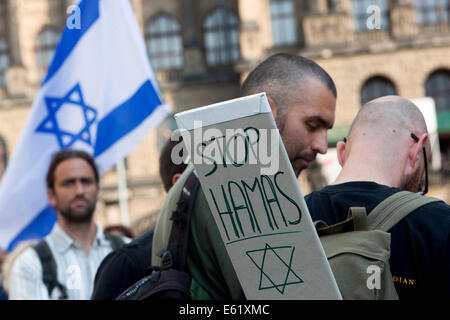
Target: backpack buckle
166,260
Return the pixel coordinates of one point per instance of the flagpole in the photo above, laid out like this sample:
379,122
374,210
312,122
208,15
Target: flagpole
123,192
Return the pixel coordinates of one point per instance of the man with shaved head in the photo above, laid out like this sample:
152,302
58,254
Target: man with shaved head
385,153
302,97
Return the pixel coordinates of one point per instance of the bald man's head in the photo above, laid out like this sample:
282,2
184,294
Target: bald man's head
389,119
380,146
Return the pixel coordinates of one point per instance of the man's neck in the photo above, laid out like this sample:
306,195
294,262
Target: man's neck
83,234
364,171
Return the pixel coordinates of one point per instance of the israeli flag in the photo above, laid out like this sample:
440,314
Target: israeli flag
100,96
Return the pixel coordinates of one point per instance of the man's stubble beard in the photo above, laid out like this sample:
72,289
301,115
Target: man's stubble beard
78,217
412,183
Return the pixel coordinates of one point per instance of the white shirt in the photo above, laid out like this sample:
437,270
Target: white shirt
74,270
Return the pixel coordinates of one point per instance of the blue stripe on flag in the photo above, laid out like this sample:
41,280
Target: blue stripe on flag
126,117
41,225
89,14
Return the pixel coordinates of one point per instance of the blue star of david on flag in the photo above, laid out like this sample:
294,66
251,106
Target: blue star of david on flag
100,95
69,118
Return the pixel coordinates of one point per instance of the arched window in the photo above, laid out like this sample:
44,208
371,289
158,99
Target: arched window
370,15
46,43
283,22
437,86
376,87
221,29
164,43
432,11
4,61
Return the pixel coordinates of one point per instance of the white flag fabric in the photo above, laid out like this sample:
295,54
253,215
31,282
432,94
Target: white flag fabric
100,95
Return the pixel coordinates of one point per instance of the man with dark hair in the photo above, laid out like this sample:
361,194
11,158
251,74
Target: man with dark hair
386,151
64,263
65,155
302,97
169,171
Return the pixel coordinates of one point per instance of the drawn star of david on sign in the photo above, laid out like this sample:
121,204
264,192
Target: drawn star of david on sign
275,266
69,118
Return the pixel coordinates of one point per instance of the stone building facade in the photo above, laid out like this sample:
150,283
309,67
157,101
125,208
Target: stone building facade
201,50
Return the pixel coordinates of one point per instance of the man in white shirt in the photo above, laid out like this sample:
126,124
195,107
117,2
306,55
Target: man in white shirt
77,244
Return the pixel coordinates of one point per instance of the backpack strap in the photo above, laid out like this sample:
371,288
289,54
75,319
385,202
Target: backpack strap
116,241
359,217
356,221
394,208
49,275
176,253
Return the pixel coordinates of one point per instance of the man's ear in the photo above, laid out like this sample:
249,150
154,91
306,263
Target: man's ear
273,107
175,178
414,152
340,150
51,197
424,141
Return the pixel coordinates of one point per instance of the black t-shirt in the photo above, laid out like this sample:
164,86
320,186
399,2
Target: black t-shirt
123,267
420,250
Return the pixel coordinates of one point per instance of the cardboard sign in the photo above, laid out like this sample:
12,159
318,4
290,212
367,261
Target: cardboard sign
256,200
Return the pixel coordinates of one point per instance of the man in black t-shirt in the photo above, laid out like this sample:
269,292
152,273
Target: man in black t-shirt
125,266
385,153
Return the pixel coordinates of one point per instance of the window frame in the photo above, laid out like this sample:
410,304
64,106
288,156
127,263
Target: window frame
439,93
229,29
364,98
172,34
45,50
427,9
4,55
283,20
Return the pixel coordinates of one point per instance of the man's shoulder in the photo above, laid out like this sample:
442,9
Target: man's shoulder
138,248
332,202
354,190
27,259
434,217
438,207
122,267
130,256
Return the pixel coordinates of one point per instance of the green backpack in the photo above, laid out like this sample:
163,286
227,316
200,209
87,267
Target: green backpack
358,249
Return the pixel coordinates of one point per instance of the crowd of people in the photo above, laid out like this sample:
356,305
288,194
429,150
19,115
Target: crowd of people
386,151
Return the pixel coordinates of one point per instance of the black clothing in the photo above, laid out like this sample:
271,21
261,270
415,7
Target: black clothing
123,267
420,250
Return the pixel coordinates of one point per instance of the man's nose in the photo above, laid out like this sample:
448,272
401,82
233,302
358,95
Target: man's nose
320,142
79,187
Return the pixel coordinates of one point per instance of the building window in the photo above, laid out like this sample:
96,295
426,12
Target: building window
4,62
437,86
164,43
221,29
46,44
370,15
432,11
283,22
3,156
334,5
376,87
